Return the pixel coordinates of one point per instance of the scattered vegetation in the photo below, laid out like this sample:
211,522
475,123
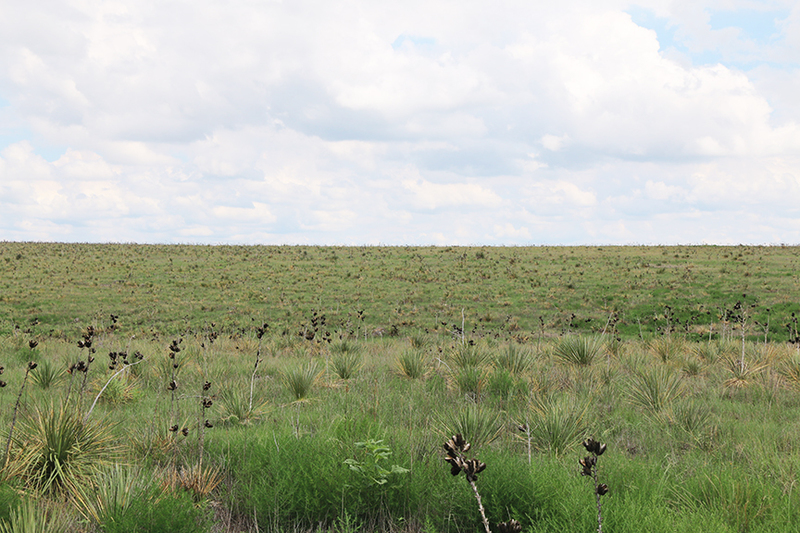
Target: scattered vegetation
200,398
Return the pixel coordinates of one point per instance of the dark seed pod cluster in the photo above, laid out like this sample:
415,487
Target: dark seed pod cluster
512,526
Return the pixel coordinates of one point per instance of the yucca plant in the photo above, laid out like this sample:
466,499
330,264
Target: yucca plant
655,389
470,380
411,364
345,346
198,479
236,408
468,355
36,517
299,381
46,374
578,350
346,364
554,425
789,370
742,372
691,418
479,425
666,348
456,448
515,359
589,468
113,491
57,450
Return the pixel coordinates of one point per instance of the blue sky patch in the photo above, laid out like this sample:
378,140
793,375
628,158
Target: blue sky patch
756,25
418,41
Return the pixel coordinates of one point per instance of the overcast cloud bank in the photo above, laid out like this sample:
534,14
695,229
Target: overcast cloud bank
430,122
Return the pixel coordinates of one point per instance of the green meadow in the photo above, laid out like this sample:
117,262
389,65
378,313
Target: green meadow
292,388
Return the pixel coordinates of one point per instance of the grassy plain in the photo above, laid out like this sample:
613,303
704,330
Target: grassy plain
522,292
701,419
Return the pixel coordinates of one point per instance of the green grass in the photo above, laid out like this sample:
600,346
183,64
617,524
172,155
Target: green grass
696,440
362,291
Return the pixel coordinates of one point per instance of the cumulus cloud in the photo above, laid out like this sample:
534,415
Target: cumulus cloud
422,122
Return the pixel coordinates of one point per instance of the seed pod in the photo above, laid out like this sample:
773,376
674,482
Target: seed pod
32,365
174,428
185,432
208,424
207,385
602,489
512,526
33,344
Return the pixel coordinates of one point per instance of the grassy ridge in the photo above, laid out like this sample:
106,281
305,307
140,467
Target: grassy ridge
514,292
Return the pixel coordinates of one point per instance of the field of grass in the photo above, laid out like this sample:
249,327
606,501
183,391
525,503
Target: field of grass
523,293
186,413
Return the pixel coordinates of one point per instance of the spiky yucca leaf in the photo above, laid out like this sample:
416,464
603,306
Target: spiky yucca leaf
478,425
346,364
411,364
557,424
578,350
56,450
299,381
36,517
654,389
114,490
515,359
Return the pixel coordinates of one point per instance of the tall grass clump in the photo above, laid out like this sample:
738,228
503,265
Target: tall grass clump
578,350
742,501
114,490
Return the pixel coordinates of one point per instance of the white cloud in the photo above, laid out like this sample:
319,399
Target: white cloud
429,195
429,122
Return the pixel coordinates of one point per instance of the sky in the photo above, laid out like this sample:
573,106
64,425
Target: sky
430,122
